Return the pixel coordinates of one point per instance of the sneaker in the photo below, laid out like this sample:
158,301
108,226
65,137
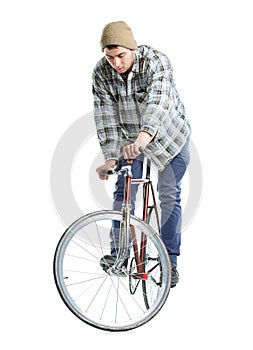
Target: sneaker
108,261
174,277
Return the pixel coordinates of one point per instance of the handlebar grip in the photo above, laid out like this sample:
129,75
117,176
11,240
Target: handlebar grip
106,172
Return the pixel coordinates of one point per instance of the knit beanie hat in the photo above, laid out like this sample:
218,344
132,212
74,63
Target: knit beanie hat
118,33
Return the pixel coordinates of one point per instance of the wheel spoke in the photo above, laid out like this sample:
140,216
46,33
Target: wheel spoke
98,290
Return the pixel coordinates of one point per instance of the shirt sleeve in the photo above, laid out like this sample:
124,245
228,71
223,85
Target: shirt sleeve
157,96
106,119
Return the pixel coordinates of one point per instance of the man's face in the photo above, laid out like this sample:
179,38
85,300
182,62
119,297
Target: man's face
120,58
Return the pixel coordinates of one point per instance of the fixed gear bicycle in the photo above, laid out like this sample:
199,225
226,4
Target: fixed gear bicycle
130,289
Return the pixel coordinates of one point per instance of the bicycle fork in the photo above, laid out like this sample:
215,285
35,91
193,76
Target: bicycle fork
124,235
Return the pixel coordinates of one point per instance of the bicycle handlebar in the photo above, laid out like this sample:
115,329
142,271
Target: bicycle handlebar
118,166
116,169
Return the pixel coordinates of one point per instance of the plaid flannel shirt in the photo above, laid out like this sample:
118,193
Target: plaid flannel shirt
147,101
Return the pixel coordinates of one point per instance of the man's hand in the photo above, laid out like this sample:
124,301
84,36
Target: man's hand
109,165
134,149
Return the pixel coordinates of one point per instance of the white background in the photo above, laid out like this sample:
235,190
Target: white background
48,51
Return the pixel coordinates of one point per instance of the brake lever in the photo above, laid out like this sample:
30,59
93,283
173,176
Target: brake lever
116,169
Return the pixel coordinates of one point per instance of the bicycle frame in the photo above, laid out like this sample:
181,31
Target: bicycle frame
126,229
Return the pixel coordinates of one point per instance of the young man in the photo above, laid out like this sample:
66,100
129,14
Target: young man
137,108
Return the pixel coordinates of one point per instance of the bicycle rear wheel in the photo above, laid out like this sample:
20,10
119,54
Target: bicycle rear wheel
151,290
101,299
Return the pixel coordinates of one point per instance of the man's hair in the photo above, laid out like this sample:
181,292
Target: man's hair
110,47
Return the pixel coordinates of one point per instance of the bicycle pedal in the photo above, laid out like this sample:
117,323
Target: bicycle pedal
107,261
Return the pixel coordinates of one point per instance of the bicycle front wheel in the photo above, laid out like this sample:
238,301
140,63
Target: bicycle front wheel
109,301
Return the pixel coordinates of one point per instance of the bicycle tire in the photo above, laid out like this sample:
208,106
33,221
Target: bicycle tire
81,281
148,294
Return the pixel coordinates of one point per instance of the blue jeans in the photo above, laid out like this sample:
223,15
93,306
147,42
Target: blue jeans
169,190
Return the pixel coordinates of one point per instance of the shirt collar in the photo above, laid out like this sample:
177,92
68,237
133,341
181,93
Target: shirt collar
137,56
